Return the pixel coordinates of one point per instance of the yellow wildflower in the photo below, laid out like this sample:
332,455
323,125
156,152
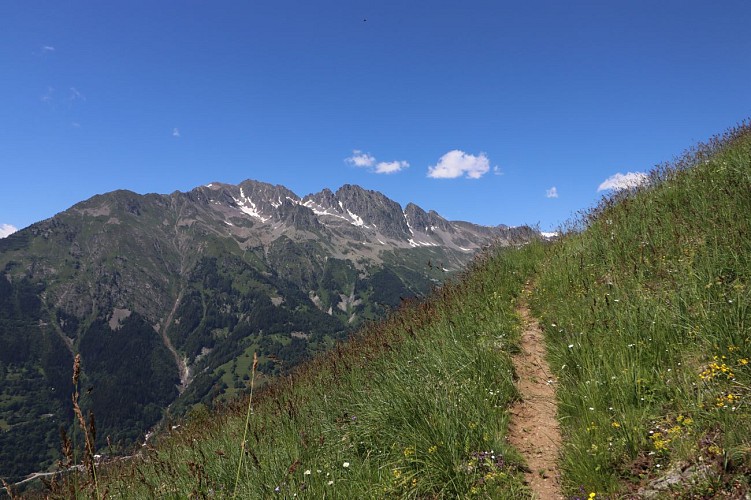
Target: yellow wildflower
673,431
658,442
714,450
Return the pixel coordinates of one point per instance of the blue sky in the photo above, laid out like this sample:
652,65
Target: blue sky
488,111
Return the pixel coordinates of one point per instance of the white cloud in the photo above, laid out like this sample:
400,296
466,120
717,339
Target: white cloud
552,192
497,170
7,230
458,163
175,132
46,49
360,159
366,160
390,167
620,181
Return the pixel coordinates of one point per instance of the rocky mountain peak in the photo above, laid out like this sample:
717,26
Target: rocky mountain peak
425,222
298,216
373,209
352,213
323,199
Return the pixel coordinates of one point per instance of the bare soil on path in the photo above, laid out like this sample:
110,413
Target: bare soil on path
534,429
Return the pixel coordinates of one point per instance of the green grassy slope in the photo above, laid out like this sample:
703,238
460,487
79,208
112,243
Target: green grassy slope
647,314
414,406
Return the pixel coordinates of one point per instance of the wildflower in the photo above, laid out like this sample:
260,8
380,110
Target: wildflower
743,361
676,430
592,495
345,465
432,449
715,369
615,425
714,450
330,482
307,472
408,451
658,442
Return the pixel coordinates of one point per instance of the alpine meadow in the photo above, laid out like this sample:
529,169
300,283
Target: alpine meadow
644,302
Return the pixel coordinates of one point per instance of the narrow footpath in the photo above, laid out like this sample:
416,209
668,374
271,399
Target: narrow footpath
534,429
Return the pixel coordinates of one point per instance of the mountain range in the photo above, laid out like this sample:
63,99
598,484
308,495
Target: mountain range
167,297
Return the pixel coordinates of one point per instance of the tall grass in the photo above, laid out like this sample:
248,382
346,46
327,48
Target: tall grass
415,406
646,312
244,442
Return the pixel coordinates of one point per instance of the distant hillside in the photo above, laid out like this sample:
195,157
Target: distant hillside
645,305
166,298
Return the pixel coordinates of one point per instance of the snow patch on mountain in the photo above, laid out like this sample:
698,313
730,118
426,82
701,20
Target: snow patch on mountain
416,244
252,210
7,230
356,219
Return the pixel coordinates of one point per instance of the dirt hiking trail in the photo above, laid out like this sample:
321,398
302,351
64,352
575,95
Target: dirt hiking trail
534,429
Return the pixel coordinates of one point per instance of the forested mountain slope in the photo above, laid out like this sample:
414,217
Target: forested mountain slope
166,298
